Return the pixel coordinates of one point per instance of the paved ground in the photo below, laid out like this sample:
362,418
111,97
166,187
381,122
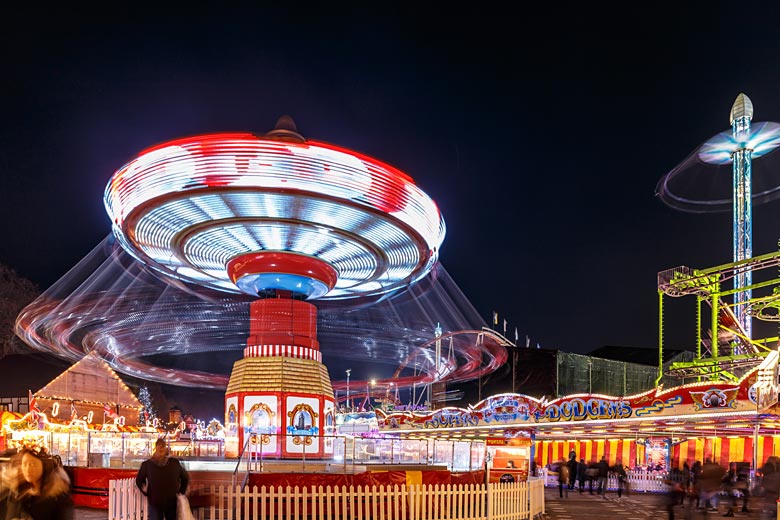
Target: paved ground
633,506
87,513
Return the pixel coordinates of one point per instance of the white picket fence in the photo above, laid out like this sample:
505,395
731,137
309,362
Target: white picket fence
638,481
505,501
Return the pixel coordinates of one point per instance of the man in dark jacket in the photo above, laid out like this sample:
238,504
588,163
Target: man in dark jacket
582,475
770,484
622,479
711,483
602,475
161,478
572,463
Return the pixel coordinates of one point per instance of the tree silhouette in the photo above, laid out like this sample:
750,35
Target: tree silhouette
15,293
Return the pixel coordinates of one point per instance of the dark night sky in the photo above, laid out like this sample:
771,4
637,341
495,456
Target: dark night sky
541,134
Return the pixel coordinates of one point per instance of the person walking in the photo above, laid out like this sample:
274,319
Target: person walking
592,474
622,479
603,474
582,474
711,483
161,478
36,486
673,496
729,481
743,484
563,479
685,479
770,484
572,464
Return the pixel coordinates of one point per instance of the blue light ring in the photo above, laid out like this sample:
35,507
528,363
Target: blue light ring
317,288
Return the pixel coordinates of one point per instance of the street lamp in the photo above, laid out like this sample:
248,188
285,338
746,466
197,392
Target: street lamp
349,371
368,392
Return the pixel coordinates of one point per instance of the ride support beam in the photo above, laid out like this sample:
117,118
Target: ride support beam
714,329
660,337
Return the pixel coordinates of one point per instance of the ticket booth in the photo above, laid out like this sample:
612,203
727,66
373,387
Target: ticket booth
657,453
509,460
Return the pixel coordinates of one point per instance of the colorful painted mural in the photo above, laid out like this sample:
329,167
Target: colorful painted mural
522,410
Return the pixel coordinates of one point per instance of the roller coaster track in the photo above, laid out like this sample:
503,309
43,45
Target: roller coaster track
684,281
705,284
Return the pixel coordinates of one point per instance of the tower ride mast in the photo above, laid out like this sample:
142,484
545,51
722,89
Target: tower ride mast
740,117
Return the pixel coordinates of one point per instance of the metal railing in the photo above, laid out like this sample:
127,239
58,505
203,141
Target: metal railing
129,450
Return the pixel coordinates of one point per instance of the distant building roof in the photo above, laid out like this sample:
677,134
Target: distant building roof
92,380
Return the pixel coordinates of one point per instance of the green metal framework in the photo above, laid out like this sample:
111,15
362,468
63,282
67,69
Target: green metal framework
729,352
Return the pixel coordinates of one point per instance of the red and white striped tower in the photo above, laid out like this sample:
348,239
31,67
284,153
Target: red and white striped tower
280,396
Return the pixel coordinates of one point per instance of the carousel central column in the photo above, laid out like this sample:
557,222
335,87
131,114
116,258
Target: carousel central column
279,399
280,390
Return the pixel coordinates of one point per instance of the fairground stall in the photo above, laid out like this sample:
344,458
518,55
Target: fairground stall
661,429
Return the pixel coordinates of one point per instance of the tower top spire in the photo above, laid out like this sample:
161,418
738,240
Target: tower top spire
742,107
285,130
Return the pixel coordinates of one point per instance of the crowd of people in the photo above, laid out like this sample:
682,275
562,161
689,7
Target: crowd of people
574,474
705,487
702,487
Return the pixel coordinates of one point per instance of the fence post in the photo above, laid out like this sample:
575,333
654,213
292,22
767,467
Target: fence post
111,498
452,457
345,453
489,501
471,455
261,454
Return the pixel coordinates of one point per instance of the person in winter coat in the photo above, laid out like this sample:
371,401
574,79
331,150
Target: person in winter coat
743,484
161,478
563,479
592,474
36,486
711,483
675,494
603,475
582,475
622,479
695,488
729,481
572,464
770,484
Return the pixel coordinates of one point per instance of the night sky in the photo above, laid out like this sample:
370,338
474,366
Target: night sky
541,134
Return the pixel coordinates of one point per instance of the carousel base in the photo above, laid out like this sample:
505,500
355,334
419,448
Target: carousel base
90,485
